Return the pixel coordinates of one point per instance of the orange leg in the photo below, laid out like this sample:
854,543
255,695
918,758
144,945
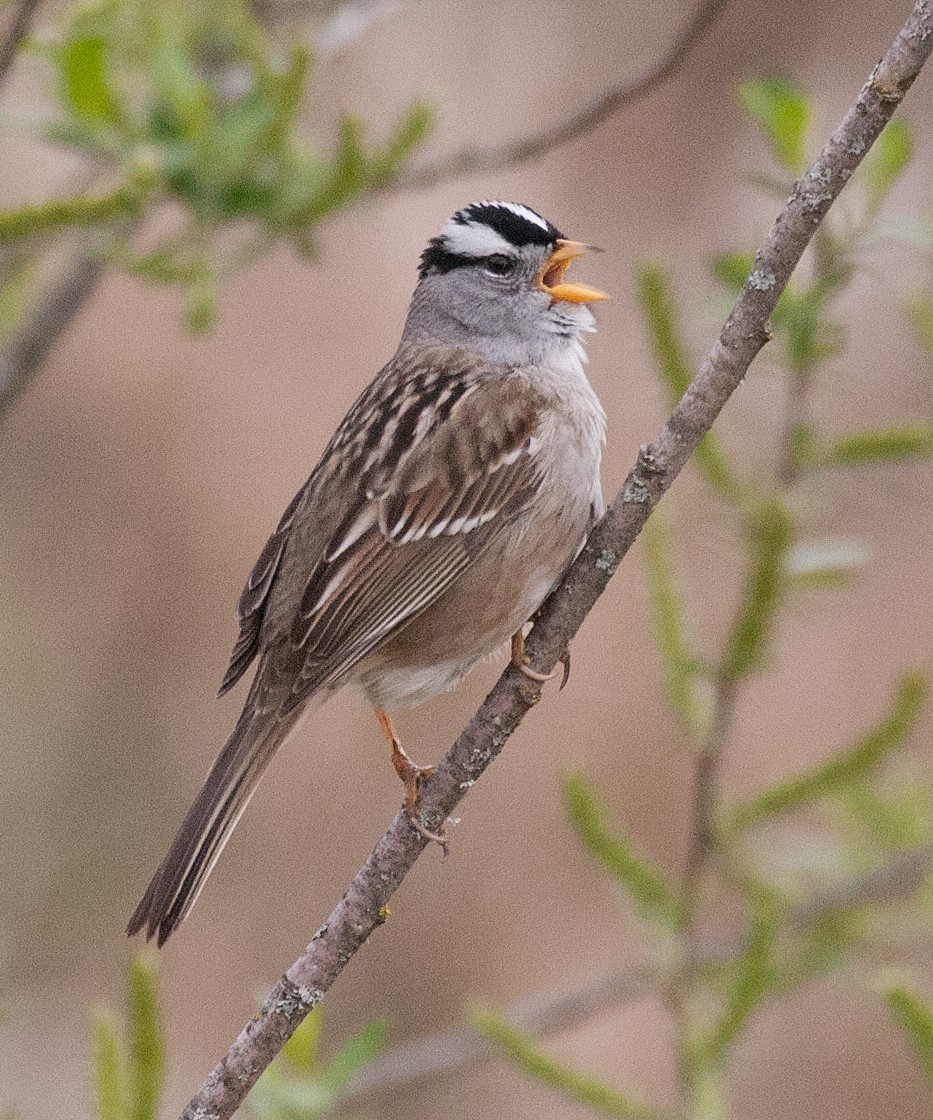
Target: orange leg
410,773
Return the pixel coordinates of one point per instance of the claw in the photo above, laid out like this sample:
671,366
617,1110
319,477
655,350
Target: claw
520,661
411,774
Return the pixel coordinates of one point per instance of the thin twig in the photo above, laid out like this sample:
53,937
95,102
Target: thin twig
31,341
700,851
472,160
364,906
551,1013
18,30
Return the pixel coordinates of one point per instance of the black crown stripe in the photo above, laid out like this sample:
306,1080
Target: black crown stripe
514,227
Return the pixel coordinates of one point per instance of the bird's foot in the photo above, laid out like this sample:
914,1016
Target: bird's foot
410,774
520,661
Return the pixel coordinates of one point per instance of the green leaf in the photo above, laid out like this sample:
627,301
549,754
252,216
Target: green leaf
667,607
301,1049
410,133
14,290
671,359
886,161
111,1097
645,885
81,210
202,302
355,1053
772,532
147,1041
839,770
920,317
522,1050
890,819
733,269
85,79
751,977
906,443
915,1017
784,114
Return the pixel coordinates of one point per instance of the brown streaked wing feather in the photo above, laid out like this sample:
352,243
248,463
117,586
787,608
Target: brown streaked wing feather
430,510
251,607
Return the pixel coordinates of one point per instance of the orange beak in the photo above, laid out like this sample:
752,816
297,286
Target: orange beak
551,277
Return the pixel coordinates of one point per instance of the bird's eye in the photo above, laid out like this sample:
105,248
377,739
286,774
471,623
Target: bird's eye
499,264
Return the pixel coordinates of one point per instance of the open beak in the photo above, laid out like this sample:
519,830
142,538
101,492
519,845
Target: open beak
551,277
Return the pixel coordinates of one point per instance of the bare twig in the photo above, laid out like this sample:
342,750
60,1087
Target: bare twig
473,160
18,30
551,1013
31,341
364,905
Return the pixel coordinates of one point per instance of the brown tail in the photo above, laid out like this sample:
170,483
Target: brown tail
232,780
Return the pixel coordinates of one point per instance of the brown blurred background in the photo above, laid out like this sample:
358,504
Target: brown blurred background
143,469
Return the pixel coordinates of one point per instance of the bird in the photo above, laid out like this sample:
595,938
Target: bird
447,505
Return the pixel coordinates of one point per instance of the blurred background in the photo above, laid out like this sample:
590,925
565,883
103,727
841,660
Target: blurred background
144,466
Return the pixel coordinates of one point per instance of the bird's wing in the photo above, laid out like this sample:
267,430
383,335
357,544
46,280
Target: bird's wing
433,462
251,607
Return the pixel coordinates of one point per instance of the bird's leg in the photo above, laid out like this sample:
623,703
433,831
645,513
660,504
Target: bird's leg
410,773
520,661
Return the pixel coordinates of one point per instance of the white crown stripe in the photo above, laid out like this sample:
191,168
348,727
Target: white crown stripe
473,239
523,212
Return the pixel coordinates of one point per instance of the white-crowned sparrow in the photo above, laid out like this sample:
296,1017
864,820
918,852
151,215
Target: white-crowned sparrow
447,505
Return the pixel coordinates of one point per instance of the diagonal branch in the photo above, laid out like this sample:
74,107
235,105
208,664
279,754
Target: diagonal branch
472,160
364,905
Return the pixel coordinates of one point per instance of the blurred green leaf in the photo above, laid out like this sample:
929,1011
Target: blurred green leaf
824,563
886,161
784,114
410,133
915,1017
645,885
297,1086
891,819
749,979
654,291
301,1049
357,1052
771,530
202,302
920,317
522,1050
839,770
14,291
85,79
667,607
822,948
147,1041
111,1092
732,269
80,210
907,443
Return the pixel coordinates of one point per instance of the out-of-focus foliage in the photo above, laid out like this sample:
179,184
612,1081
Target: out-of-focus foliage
524,1051
642,882
189,104
915,1017
299,1085
128,1075
804,919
